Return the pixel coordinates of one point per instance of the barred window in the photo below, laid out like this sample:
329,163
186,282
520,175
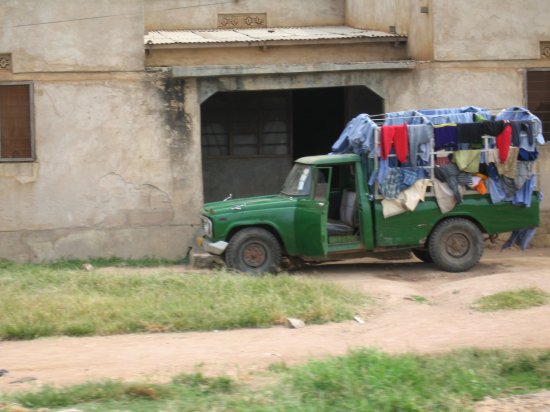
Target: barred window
243,124
16,141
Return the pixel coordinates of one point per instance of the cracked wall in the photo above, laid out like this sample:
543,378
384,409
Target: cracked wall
113,177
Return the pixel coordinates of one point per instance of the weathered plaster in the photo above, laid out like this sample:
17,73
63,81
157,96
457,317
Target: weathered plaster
111,167
378,14
363,52
193,14
69,35
491,30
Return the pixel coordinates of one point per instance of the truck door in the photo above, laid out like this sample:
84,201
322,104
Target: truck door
311,216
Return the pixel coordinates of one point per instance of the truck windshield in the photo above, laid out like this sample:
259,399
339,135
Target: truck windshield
298,181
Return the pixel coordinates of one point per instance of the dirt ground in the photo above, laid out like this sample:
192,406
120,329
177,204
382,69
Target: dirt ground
417,309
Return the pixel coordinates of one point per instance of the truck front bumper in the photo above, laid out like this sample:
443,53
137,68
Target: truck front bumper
215,248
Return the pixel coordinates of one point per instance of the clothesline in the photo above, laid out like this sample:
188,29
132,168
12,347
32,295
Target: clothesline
419,114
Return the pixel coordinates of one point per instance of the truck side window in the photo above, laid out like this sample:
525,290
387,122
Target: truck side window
321,186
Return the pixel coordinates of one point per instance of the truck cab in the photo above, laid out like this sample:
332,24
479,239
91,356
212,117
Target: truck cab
327,211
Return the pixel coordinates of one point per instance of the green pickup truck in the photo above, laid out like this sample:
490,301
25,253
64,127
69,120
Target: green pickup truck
326,211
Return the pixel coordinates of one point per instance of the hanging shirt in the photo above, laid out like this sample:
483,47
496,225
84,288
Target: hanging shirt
454,178
520,128
445,136
492,127
467,160
521,113
420,138
357,137
390,188
469,133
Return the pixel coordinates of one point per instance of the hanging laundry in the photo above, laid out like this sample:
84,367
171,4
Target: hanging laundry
520,237
395,136
445,136
357,137
407,201
455,115
390,188
454,178
446,199
521,113
492,127
523,196
524,172
527,155
420,138
407,117
467,160
520,127
509,168
469,133
503,141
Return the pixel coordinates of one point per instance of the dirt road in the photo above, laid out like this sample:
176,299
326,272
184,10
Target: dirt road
417,308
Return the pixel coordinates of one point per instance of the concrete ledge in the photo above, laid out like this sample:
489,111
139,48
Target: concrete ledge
238,70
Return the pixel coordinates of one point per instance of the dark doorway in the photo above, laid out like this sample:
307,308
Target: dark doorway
251,138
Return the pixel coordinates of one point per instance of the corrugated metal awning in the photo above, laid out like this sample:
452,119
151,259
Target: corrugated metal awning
274,35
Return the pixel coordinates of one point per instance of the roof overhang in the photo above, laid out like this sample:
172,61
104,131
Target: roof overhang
276,36
244,70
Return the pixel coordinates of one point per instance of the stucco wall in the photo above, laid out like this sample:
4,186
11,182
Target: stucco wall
116,173
72,35
433,85
299,54
193,14
378,14
490,30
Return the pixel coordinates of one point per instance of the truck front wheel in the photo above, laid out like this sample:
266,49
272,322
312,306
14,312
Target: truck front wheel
253,250
456,245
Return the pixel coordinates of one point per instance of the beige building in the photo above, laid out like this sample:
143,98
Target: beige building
118,119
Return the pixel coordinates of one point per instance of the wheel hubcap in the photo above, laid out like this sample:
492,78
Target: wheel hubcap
457,245
254,255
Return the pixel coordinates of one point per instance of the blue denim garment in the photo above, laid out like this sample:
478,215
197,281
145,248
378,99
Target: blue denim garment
454,115
408,177
363,140
390,188
524,195
496,191
521,113
520,237
527,155
524,142
380,174
408,117
357,137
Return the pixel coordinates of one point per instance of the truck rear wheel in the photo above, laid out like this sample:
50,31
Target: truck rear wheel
456,245
253,250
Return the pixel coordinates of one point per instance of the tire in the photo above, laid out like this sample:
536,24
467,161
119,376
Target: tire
253,250
423,255
456,245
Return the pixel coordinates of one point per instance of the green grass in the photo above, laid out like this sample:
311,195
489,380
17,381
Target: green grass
360,381
60,299
513,299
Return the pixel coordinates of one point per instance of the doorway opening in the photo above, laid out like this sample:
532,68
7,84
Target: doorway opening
251,138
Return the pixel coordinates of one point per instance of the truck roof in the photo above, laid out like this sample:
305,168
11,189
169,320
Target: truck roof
328,159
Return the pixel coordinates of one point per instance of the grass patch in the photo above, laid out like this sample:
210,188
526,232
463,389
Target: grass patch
48,300
360,381
418,299
514,299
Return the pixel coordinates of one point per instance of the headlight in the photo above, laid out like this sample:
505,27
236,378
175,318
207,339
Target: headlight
206,226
